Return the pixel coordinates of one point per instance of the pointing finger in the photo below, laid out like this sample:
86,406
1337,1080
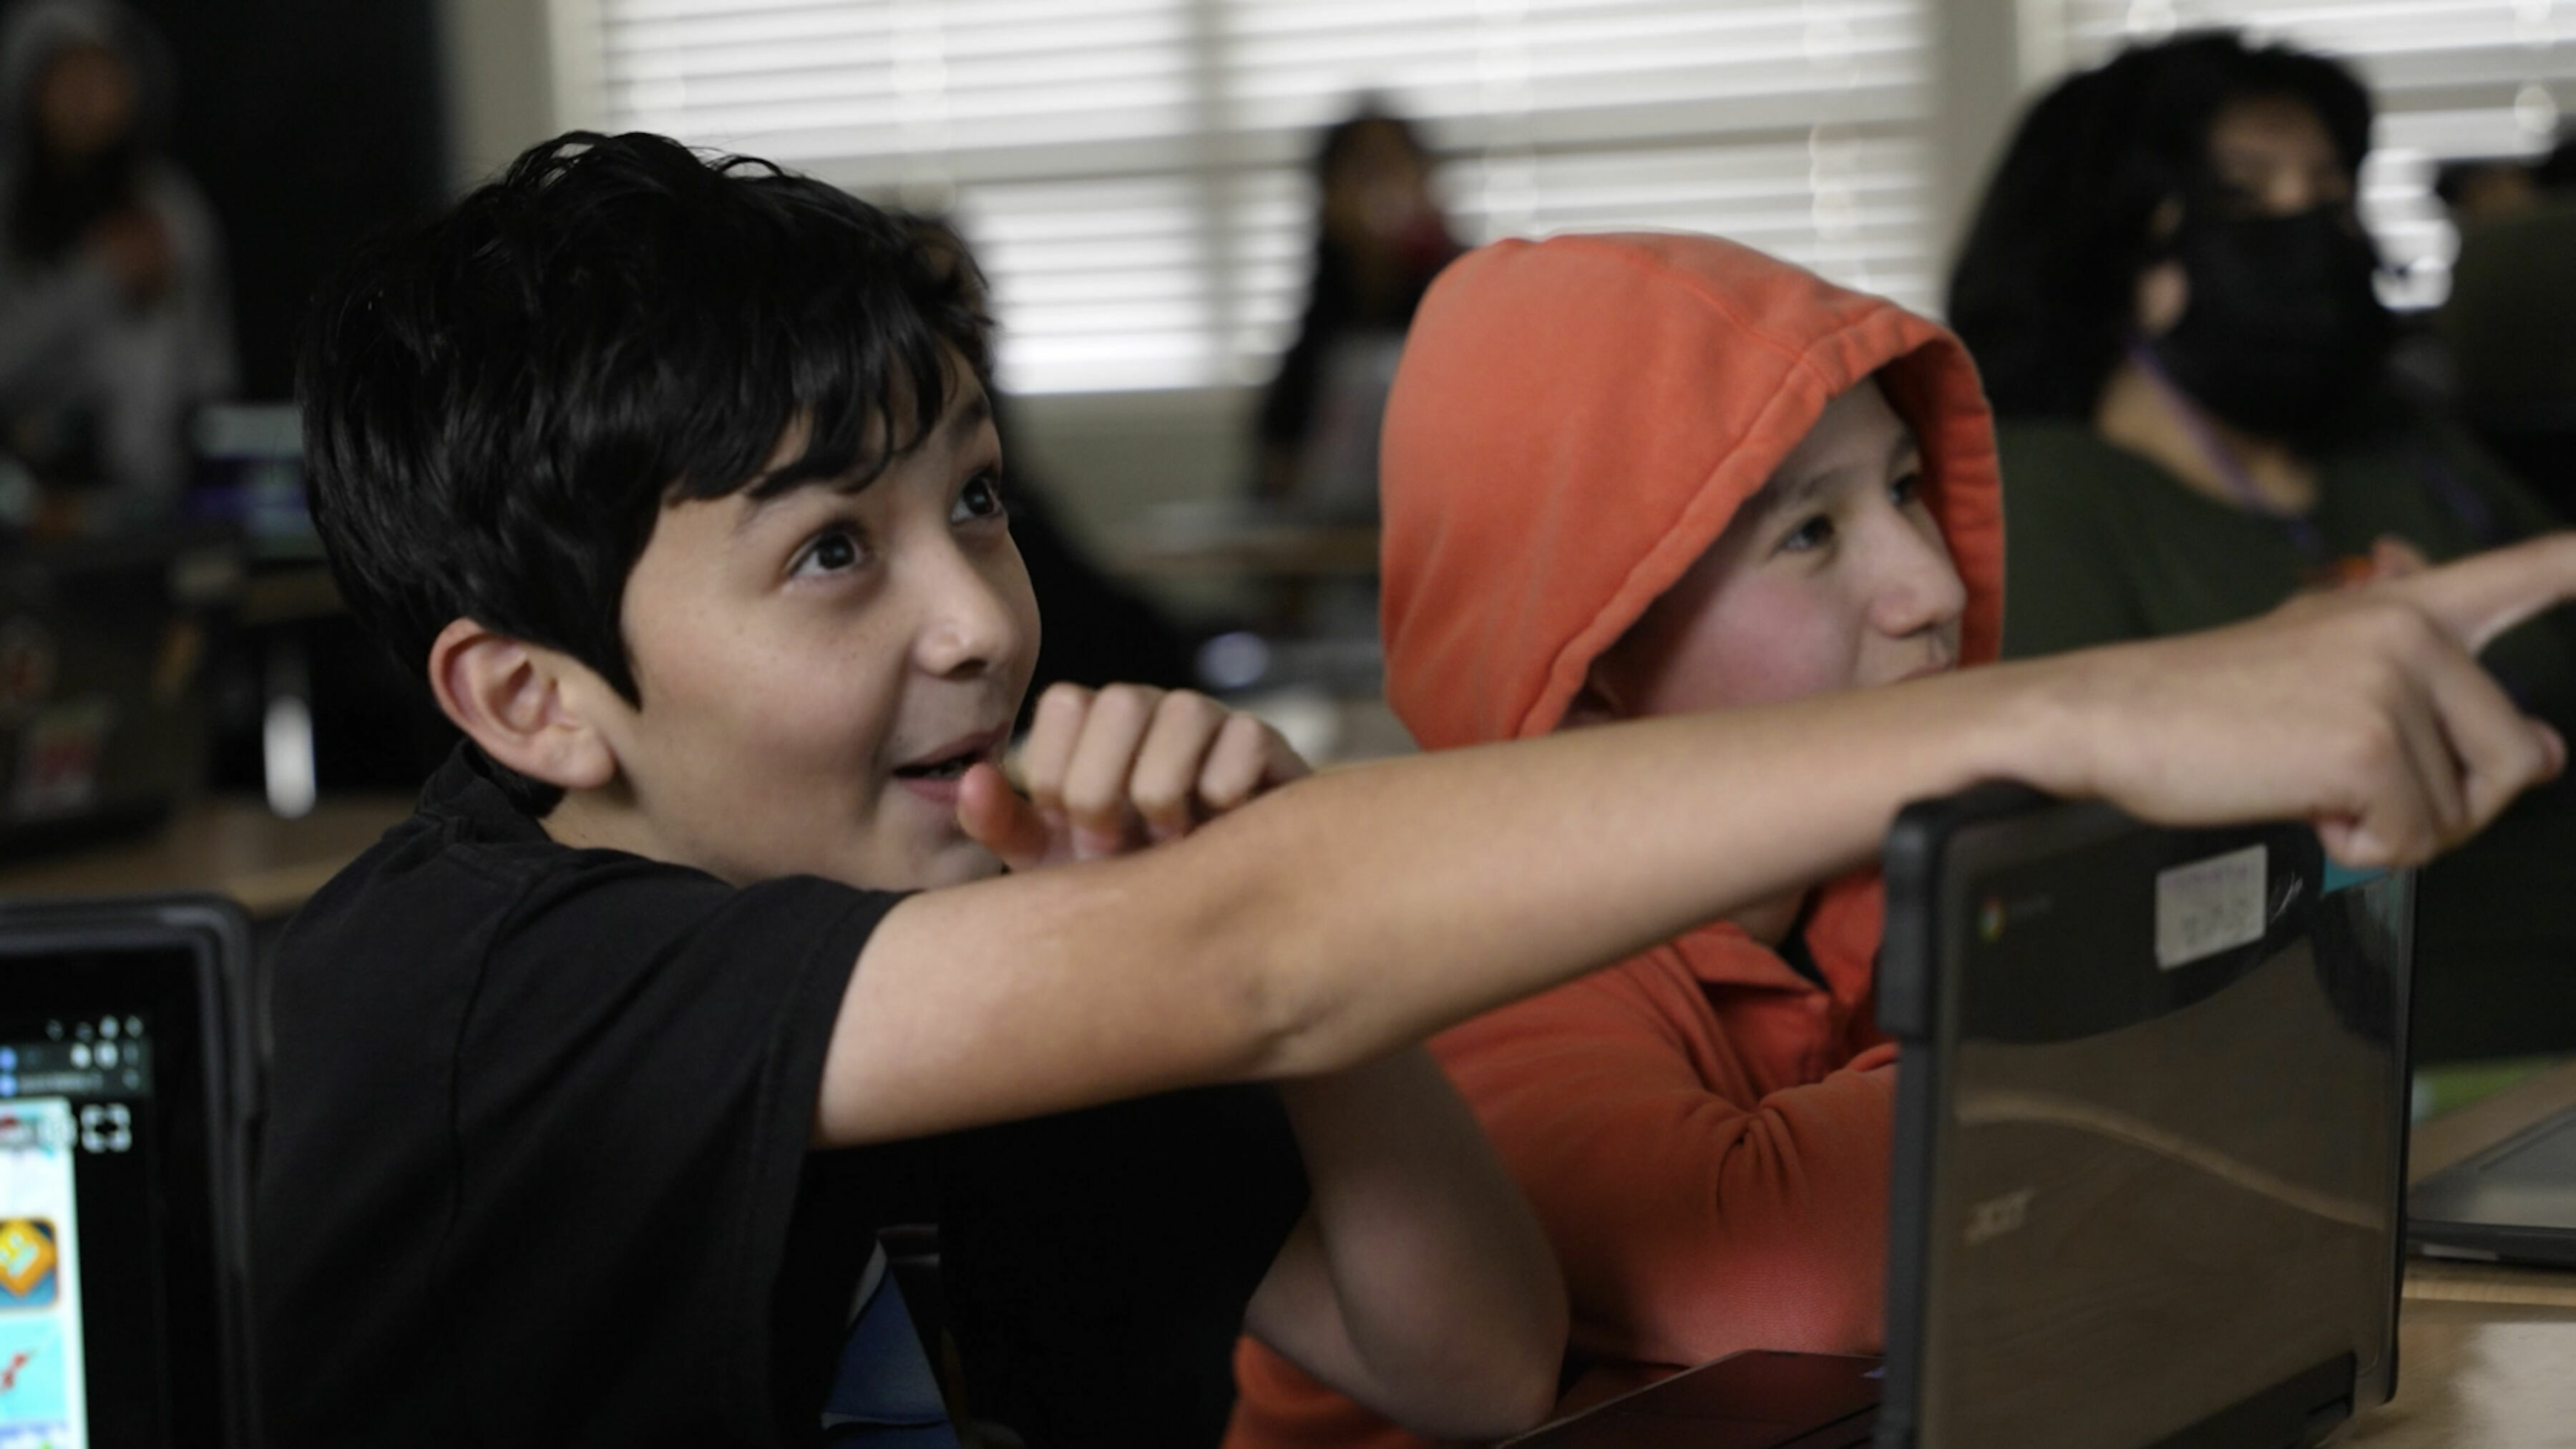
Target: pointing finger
2479,597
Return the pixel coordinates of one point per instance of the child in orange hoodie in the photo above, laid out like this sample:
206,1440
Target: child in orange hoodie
1641,475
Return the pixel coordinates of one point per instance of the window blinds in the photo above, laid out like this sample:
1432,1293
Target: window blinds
2452,78
1132,173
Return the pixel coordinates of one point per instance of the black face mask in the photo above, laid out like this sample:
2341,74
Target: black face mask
2284,334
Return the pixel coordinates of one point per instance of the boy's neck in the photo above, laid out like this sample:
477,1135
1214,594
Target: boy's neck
2138,415
607,820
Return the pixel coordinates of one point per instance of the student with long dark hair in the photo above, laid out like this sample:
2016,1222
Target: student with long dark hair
2172,300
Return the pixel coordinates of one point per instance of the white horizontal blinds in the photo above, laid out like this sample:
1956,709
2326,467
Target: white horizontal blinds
2452,79
1850,206
870,83
1098,284
1572,66
1133,172
1062,134
1787,125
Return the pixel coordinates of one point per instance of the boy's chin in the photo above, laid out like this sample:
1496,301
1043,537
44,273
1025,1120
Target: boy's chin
953,862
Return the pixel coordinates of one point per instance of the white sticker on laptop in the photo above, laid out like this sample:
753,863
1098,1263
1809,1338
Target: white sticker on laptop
2209,906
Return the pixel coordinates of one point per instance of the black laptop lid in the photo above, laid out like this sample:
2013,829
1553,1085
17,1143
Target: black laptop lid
2151,1130
120,1154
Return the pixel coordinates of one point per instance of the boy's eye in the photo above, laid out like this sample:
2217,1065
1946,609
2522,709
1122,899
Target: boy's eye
980,498
832,551
1814,533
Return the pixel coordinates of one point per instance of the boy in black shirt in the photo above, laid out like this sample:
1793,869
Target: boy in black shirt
676,478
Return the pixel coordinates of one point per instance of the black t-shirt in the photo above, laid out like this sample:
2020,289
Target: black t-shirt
536,1170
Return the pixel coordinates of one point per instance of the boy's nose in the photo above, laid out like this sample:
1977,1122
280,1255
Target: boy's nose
1921,588
971,623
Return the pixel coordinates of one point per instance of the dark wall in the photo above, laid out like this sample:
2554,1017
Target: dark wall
310,124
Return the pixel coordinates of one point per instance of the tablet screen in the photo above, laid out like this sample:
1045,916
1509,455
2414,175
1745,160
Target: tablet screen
109,1330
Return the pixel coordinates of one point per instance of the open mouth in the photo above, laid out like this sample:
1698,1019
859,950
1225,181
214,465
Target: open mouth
952,762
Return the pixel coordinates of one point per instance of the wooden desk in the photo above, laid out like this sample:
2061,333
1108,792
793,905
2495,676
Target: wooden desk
227,845
2486,1355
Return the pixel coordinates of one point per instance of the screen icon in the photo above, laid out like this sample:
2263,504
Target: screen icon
27,1263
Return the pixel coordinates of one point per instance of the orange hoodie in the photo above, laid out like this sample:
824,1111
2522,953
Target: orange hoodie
1703,1131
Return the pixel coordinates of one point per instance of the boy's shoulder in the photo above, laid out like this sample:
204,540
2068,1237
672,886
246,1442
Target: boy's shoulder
492,1053
468,953
469,882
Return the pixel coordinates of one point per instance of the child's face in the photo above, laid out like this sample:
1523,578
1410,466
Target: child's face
819,668
1833,576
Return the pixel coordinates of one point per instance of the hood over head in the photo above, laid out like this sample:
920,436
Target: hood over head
1576,421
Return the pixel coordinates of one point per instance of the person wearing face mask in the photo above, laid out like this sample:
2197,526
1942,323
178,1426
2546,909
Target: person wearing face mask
2173,303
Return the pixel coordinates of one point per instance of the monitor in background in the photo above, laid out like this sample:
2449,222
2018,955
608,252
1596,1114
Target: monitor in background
250,476
122,1149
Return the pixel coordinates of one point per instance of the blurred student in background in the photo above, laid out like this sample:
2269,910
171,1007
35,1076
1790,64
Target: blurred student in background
114,323
1379,240
2172,300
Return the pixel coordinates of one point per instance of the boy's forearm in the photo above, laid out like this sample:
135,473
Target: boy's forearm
1425,1287
1404,896
1346,915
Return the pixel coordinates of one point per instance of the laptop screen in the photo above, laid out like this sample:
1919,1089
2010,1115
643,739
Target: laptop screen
2170,1133
110,1328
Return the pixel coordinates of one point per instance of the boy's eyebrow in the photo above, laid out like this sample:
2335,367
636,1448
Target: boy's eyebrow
972,413
1777,494
1907,449
1773,496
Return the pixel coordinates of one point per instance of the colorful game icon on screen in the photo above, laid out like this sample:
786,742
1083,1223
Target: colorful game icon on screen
27,1261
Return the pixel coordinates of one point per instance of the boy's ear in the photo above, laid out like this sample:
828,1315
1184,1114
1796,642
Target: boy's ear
524,705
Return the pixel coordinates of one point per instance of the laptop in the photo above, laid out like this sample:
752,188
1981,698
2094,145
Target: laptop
123,1142
2514,1203
2150,1149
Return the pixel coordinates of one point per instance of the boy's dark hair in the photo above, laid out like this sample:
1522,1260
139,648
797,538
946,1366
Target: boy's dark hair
2044,290
498,404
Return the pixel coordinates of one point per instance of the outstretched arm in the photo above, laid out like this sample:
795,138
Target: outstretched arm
1341,916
